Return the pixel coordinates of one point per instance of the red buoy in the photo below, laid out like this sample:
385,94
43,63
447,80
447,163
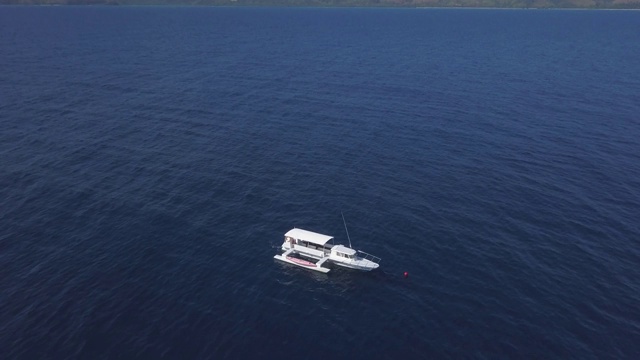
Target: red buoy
406,274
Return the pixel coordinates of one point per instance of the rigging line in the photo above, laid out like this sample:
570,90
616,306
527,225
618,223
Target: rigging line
345,229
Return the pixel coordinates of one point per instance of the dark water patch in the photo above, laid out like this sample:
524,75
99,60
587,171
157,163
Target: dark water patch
153,158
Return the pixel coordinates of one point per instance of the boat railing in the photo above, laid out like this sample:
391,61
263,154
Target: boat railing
369,257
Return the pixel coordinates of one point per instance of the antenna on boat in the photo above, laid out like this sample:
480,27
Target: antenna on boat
345,229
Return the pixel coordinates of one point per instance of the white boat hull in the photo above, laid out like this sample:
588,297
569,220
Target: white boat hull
314,246
373,266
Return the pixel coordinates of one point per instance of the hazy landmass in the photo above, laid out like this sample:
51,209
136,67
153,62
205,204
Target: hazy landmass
536,4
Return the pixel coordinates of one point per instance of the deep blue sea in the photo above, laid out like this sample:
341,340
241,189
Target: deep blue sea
152,158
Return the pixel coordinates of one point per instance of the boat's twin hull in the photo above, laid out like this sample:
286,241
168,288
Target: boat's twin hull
361,264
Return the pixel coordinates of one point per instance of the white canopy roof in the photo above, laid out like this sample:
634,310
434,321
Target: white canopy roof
344,250
309,236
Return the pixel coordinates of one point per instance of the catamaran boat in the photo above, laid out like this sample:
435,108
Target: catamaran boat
311,250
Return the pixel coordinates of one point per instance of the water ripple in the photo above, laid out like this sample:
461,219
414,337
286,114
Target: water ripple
153,159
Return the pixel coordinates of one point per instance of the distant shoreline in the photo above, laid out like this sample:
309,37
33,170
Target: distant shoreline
316,7
400,4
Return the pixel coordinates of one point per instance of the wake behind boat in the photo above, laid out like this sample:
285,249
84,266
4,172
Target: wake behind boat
319,248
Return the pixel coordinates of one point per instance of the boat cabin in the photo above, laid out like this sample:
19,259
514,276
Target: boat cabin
342,251
304,240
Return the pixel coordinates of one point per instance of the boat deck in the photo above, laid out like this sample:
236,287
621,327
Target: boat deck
286,257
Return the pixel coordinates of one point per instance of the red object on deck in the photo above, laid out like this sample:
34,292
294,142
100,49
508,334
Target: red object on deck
406,274
300,261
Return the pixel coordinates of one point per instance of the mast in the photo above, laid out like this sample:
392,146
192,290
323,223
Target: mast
345,229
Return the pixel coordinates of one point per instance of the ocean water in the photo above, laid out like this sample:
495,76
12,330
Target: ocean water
151,160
